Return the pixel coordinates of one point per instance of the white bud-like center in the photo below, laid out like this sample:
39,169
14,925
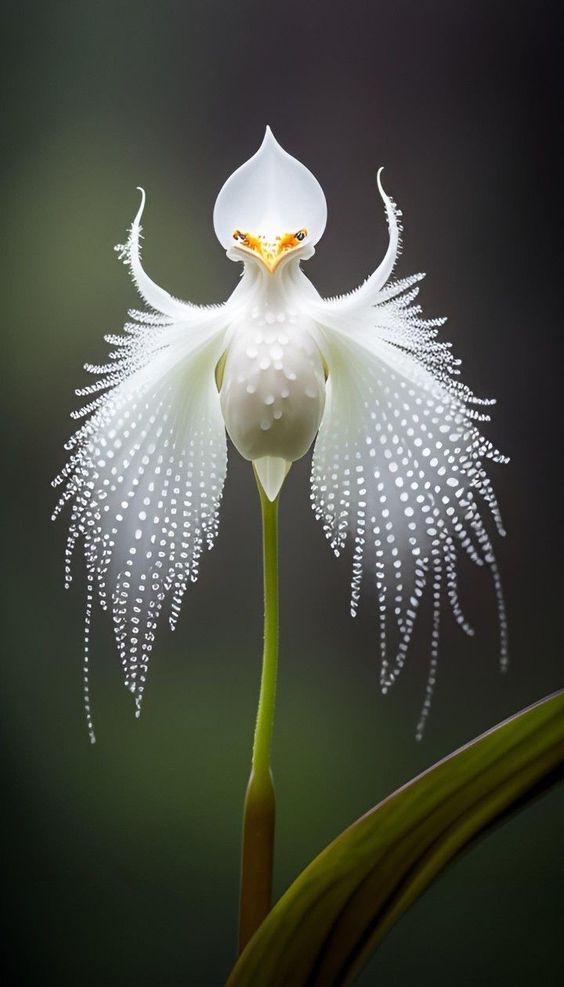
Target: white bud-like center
273,386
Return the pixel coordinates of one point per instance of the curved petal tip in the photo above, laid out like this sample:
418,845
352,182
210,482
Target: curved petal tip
379,181
137,219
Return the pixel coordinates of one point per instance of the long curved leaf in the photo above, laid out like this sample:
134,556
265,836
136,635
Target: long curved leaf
324,928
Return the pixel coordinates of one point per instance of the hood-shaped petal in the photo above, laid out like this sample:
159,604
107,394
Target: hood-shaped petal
271,194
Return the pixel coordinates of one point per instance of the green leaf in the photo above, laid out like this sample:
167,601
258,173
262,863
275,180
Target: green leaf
324,928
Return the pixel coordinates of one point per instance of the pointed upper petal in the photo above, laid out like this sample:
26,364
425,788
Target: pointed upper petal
270,194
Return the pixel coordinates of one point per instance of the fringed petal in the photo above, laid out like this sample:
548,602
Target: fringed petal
146,470
399,462
155,296
367,293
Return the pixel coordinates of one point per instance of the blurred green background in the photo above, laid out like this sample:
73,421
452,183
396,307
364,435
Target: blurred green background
122,859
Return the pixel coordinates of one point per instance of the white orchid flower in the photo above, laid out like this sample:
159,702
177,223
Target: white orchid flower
398,462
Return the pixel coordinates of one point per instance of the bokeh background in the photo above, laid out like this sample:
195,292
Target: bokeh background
122,859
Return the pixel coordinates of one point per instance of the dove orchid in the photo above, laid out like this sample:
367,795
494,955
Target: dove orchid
398,460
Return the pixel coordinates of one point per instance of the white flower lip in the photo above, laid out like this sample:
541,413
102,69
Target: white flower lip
270,195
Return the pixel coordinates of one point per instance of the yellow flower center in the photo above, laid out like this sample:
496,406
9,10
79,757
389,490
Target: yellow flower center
270,252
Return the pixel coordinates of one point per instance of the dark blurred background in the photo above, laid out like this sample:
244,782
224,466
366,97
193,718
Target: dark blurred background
122,859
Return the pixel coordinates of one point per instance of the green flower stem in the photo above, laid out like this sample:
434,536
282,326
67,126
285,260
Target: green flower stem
259,810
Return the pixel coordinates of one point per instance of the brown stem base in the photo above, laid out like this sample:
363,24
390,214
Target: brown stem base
257,855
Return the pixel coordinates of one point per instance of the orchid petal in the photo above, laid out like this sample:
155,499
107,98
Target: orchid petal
145,479
367,293
399,462
152,294
272,193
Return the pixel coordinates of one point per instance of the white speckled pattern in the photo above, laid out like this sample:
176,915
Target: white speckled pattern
273,389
